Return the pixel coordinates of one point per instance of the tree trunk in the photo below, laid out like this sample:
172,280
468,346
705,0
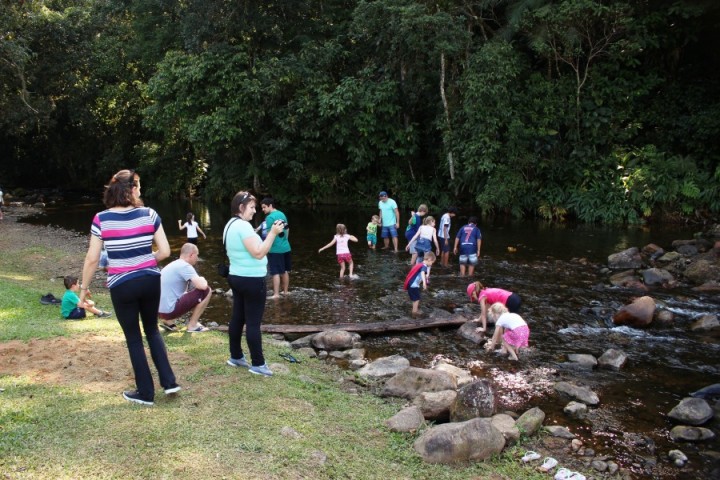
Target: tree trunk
451,163
400,325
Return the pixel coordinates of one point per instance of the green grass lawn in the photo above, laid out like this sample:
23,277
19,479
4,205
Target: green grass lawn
225,423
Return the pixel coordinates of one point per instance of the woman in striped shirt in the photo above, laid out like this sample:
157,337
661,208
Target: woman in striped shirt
128,230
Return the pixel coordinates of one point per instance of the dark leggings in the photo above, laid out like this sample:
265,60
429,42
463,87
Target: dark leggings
513,303
141,297
249,296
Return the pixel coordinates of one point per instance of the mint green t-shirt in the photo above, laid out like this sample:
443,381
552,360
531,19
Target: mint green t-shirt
281,244
242,263
70,300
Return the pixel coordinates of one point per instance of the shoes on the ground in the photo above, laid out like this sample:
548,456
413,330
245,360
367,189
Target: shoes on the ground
198,328
548,464
134,396
49,299
261,370
168,327
238,362
289,358
563,474
174,389
104,314
530,456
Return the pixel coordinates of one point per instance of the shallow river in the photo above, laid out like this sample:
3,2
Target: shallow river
555,269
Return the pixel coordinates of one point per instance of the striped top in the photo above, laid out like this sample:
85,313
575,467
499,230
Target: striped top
128,237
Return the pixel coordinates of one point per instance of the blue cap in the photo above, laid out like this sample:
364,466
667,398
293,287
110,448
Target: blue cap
383,194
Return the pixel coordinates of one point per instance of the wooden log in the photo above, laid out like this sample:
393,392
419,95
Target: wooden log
401,325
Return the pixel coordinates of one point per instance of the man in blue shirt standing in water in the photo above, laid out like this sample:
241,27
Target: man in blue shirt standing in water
390,216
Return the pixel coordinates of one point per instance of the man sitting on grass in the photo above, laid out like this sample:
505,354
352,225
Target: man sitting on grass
176,295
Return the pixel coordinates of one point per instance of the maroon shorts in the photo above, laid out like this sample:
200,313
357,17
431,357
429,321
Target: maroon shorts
344,258
186,303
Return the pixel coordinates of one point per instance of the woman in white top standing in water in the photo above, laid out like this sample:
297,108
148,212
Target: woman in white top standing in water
342,250
192,228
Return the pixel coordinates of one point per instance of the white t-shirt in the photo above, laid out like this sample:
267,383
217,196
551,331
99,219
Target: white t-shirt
341,244
444,220
191,229
511,321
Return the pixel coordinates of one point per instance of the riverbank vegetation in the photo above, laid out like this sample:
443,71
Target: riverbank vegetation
601,110
62,415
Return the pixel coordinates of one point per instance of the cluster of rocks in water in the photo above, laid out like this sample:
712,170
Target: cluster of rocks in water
457,415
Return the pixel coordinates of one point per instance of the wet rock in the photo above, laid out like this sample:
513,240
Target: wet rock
474,440
583,394
652,251
467,331
637,314
612,359
692,411
355,354
711,392
407,420
530,421
670,257
629,258
575,409
476,399
626,278
560,431
462,377
687,250
711,286
664,317
583,360
411,382
506,425
690,434
705,323
384,367
657,276
599,465
436,405
678,458
335,340
702,271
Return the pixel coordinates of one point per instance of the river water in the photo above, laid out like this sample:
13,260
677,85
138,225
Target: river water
567,301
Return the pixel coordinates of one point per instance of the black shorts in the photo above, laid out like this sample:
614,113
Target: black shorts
279,263
414,294
444,244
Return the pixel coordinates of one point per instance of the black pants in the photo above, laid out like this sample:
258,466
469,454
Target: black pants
249,296
141,297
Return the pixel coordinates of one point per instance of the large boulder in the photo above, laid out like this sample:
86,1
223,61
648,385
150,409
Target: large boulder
583,360
436,405
637,314
629,258
384,367
530,421
474,440
657,276
583,394
691,411
703,270
476,399
690,434
462,377
411,382
335,340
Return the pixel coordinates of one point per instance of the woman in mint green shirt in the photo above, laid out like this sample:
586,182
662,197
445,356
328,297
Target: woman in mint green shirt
248,268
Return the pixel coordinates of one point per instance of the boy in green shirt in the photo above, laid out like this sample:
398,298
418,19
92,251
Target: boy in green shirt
70,307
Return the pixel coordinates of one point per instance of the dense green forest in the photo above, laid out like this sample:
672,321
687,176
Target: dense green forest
600,110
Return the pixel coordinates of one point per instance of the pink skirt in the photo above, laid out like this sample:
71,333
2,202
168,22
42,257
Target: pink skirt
518,337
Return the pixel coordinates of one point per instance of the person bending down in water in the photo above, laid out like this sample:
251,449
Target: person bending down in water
511,328
487,296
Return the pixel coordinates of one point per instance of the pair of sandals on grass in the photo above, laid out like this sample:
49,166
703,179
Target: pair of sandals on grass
172,327
549,463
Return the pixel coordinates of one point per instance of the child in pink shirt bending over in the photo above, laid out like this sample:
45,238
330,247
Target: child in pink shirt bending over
487,296
340,240
511,328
